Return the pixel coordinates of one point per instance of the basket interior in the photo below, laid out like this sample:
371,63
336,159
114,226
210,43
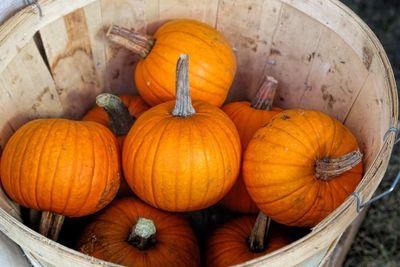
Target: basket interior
322,60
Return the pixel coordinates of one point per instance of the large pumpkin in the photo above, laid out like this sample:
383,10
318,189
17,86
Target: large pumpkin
212,68
179,156
301,166
131,233
248,118
235,242
66,167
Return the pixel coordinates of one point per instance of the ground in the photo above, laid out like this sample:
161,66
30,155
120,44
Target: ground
378,241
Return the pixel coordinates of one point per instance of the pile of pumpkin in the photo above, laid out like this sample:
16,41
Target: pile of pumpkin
292,166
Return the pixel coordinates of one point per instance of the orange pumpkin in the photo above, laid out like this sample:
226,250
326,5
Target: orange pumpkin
131,233
301,166
112,114
184,158
234,242
213,64
135,105
248,118
66,167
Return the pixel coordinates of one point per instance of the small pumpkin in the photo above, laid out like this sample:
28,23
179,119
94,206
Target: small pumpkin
301,166
213,64
182,158
131,233
110,111
248,118
244,239
63,167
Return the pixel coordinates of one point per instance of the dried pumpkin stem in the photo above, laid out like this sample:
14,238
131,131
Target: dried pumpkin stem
56,227
121,120
50,224
258,236
329,168
183,105
143,234
266,94
45,222
139,43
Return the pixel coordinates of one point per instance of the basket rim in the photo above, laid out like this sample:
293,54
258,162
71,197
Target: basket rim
20,29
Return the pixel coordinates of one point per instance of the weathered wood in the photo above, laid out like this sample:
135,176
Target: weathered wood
278,37
342,248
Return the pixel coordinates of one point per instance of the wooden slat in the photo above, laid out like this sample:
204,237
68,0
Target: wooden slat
19,30
292,53
120,62
203,10
372,101
70,57
251,38
27,86
335,79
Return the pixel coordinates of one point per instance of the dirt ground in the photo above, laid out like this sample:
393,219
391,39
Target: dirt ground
378,241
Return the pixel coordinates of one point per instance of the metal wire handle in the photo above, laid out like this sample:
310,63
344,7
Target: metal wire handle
36,4
387,192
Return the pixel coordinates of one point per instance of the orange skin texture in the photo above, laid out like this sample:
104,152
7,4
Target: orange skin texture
67,167
247,120
278,167
228,244
182,164
211,70
106,237
135,105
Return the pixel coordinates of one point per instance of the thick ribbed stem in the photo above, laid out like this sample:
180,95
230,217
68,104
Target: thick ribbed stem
121,120
143,234
266,94
136,42
258,236
183,104
50,224
329,168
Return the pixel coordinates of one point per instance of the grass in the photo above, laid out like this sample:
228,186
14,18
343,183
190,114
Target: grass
378,241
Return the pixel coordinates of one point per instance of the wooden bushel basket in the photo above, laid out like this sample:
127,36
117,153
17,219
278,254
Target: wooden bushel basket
55,63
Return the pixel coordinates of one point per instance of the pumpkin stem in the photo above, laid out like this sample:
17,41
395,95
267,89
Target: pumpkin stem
139,43
329,168
50,224
266,94
121,120
183,104
143,234
256,240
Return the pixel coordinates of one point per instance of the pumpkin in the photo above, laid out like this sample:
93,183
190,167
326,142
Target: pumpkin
301,166
131,233
63,167
135,105
117,113
213,64
180,156
248,118
244,239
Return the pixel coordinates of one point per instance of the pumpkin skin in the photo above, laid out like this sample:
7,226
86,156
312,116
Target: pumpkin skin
182,164
106,237
67,167
135,105
279,167
247,120
212,69
228,244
